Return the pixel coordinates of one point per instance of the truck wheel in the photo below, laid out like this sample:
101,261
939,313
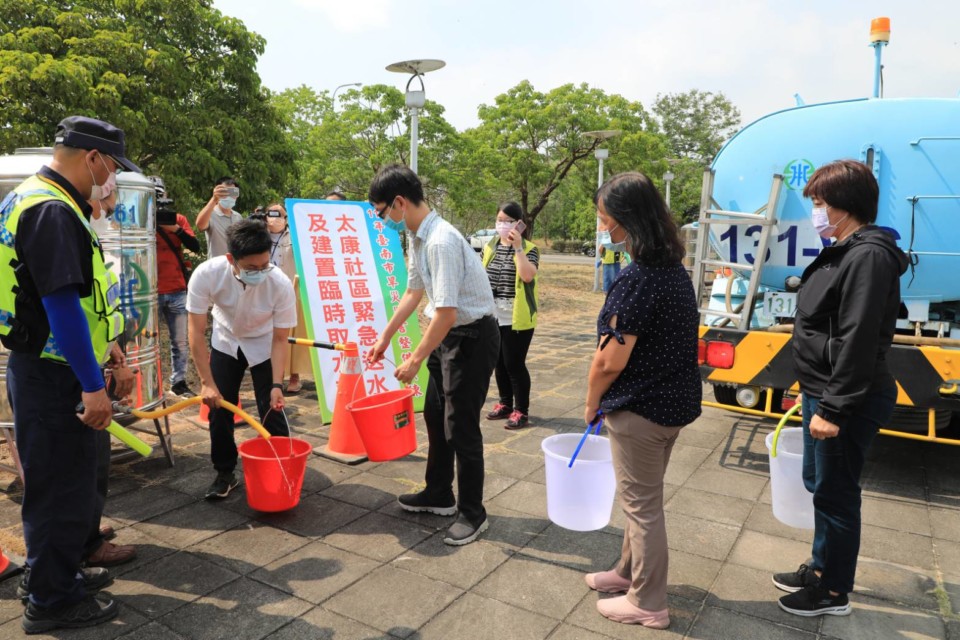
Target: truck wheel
728,395
725,394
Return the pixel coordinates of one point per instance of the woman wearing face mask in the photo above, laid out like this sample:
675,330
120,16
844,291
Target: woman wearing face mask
846,315
281,255
646,380
511,263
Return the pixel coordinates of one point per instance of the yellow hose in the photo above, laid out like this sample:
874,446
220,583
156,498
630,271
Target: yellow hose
189,402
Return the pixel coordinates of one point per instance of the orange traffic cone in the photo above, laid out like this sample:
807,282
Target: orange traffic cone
205,414
8,568
345,444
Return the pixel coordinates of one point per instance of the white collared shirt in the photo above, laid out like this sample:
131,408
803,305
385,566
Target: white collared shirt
244,317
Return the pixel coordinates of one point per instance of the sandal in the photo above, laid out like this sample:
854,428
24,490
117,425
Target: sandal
294,385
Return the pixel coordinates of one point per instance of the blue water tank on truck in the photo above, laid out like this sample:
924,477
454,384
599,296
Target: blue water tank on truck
912,146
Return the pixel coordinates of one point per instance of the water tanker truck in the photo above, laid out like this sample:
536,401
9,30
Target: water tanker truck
756,237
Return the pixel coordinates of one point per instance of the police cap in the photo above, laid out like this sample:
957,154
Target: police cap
89,133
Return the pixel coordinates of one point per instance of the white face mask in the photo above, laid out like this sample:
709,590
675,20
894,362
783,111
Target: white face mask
102,191
821,222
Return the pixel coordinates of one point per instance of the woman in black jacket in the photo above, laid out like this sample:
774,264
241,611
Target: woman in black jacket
846,315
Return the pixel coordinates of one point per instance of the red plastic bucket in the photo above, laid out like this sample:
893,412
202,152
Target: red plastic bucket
273,471
385,423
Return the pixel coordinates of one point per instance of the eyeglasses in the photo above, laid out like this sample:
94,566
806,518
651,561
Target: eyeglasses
266,269
382,213
273,213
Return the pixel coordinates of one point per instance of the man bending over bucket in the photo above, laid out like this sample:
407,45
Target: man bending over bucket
461,346
253,312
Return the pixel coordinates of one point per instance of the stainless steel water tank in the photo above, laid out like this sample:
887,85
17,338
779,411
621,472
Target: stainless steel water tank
130,251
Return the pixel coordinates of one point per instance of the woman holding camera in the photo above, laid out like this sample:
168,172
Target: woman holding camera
511,263
281,256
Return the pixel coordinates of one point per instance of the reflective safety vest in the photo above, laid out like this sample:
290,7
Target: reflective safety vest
611,257
525,293
101,307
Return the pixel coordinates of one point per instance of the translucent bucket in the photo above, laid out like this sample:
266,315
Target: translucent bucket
792,503
385,424
273,471
579,498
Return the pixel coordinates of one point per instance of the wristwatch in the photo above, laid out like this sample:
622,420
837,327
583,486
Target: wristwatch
277,385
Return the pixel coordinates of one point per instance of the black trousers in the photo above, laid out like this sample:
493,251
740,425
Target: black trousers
59,456
227,375
460,371
102,445
513,378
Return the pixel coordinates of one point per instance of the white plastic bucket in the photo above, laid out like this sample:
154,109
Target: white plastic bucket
792,503
579,498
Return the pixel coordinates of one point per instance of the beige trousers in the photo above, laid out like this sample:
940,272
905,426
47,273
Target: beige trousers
641,451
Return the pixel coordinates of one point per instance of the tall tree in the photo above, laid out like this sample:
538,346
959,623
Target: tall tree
532,140
344,148
696,122
178,76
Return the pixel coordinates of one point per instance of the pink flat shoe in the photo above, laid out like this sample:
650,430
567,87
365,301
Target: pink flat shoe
621,610
607,582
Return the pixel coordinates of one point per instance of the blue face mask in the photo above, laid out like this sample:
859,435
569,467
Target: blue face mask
607,242
252,278
397,225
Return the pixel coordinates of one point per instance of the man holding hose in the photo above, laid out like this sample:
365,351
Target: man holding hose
60,318
254,309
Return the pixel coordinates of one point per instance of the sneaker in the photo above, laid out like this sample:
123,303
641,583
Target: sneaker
805,576
607,582
500,412
462,532
420,503
622,610
224,483
518,420
181,389
816,601
88,612
94,579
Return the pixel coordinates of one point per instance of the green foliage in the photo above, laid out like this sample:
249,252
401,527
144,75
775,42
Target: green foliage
176,75
530,140
343,149
695,124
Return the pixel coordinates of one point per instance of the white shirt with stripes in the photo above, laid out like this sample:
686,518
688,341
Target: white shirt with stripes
446,267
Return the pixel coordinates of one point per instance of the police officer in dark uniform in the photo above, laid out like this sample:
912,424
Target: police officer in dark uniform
60,318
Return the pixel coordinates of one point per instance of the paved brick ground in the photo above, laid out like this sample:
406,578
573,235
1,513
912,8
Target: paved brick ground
348,563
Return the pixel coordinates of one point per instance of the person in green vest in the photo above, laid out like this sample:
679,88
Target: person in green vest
612,256
511,263
60,319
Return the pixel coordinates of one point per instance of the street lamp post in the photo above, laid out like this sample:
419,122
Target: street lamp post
415,99
600,155
349,84
667,179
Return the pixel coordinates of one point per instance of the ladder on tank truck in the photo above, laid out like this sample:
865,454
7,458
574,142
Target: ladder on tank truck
711,213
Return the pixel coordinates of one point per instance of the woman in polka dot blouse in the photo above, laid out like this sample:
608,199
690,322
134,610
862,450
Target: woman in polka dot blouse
646,381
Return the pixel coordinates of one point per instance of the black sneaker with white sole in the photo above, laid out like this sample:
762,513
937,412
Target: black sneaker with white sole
90,611
816,601
94,579
182,390
422,503
463,532
792,582
222,485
